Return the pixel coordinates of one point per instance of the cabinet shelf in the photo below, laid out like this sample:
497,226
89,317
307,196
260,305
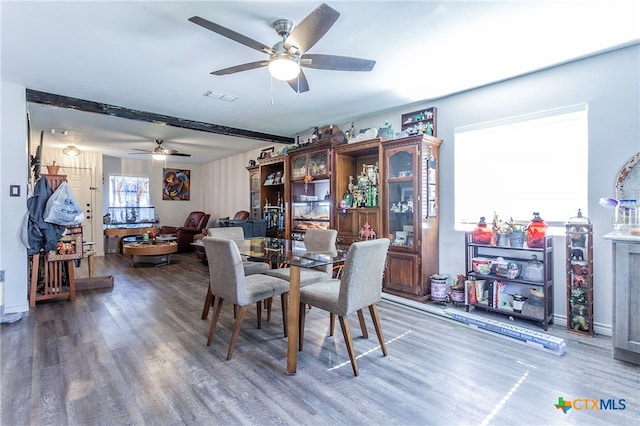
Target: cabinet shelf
493,292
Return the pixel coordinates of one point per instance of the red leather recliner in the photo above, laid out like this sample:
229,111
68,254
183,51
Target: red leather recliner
195,223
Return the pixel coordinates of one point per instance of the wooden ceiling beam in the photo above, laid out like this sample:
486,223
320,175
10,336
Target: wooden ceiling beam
132,114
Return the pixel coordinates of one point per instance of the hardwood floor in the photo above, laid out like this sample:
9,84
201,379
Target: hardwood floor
136,354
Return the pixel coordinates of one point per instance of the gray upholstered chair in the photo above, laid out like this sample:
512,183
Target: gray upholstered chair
228,282
359,286
315,240
250,268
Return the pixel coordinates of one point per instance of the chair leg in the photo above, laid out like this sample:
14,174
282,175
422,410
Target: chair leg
267,304
214,320
332,320
301,327
208,301
284,303
259,313
363,325
373,310
236,330
346,332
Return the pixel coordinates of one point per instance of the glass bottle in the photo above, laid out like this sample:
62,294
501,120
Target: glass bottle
536,232
482,234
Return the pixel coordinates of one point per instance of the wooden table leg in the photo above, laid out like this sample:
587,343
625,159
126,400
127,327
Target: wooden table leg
90,262
71,280
35,267
292,320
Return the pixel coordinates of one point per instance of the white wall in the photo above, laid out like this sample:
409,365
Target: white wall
15,171
227,184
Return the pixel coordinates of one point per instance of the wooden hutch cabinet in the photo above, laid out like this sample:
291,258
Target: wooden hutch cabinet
274,194
362,211
310,205
410,214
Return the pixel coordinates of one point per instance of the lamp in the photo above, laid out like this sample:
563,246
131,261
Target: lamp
159,157
71,151
284,67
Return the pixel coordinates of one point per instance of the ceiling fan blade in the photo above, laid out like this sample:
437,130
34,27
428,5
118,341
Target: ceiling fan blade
142,151
337,63
179,154
243,67
312,28
230,34
299,84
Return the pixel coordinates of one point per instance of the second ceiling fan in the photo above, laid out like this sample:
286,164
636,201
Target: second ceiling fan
159,151
288,56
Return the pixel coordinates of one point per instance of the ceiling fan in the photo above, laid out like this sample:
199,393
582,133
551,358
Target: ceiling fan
159,153
287,56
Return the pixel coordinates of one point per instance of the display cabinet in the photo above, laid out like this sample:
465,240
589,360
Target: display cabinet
254,192
515,281
410,219
133,216
274,194
356,182
579,258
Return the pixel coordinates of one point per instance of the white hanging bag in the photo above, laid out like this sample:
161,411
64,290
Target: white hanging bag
62,207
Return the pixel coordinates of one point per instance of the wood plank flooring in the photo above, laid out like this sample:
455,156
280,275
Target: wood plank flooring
136,354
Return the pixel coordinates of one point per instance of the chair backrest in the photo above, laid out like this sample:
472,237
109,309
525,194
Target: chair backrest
321,240
241,215
197,220
361,280
226,270
229,233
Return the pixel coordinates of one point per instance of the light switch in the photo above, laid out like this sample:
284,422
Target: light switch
14,190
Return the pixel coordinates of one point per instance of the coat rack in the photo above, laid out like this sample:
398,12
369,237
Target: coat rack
55,273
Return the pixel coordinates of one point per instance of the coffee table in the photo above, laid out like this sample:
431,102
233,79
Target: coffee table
150,249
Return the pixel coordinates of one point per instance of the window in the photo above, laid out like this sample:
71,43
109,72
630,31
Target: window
129,191
516,166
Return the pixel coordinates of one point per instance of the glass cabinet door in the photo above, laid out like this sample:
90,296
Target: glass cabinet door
298,167
254,194
318,165
400,195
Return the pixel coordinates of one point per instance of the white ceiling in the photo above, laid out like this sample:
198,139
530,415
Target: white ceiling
145,55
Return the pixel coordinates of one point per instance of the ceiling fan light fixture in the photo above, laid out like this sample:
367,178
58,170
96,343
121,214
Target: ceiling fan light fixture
71,151
284,67
159,157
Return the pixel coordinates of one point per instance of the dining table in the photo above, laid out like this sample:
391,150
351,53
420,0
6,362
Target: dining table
292,253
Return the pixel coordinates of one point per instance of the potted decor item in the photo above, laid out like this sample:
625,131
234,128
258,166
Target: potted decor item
516,237
53,169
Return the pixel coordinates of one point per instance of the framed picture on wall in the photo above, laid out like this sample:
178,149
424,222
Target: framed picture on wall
176,184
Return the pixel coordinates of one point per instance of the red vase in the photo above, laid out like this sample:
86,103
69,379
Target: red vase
536,232
482,234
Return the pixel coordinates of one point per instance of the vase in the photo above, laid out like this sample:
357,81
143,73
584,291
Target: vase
503,240
516,239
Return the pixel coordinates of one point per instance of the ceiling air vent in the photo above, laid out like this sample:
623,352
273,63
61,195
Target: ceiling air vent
220,96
